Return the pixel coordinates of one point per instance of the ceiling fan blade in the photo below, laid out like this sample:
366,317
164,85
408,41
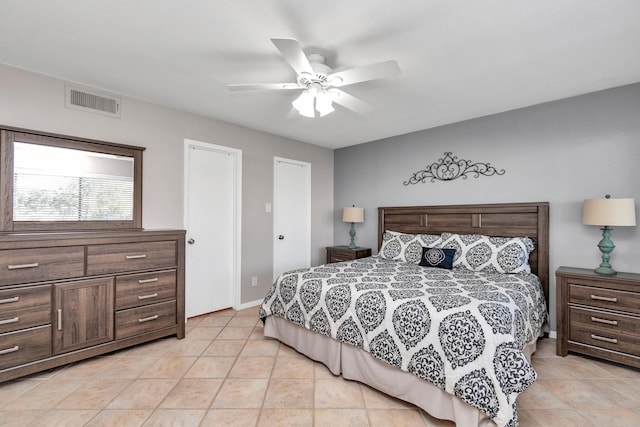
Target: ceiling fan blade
265,86
349,101
293,53
379,70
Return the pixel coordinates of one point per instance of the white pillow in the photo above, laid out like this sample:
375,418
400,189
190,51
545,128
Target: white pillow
406,247
477,252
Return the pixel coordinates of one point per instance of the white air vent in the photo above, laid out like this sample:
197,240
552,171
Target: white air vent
85,99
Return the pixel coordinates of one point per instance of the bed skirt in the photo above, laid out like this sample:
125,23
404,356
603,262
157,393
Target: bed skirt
355,364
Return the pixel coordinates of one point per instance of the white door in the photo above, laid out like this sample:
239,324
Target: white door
212,220
292,215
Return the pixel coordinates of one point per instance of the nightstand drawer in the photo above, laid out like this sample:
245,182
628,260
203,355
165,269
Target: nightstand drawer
604,298
596,337
604,321
39,265
344,253
339,257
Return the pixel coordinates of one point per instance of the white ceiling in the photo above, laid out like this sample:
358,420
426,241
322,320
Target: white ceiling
459,59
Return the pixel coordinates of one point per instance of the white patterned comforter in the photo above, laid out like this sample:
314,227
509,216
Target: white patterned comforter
462,331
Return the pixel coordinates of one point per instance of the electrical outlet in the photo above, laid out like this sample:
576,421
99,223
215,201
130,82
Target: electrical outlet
254,281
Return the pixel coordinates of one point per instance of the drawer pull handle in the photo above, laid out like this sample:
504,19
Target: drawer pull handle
135,256
607,299
9,350
20,266
148,319
605,339
147,296
59,319
141,281
605,321
7,300
7,321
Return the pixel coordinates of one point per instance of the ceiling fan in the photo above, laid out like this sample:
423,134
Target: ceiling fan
319,85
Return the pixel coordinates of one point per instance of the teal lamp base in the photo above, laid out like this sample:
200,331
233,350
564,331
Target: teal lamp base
352,233
606,247
603,269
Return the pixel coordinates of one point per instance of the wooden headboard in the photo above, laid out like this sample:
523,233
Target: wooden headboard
507,219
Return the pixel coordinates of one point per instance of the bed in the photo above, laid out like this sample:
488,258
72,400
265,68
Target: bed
455,342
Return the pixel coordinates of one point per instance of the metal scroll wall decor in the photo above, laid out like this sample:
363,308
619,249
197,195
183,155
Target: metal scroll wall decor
449,168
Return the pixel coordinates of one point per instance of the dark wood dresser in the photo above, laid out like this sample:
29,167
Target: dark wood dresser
344,253
598,315
65,297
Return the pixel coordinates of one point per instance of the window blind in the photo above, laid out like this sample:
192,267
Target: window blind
50,197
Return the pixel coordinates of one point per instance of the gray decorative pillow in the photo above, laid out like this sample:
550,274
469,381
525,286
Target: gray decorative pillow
406,247
477,252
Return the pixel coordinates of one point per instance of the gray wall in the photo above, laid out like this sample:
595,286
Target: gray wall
561,152
36,102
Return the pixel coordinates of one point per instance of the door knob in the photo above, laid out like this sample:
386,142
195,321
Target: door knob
191,241
281,237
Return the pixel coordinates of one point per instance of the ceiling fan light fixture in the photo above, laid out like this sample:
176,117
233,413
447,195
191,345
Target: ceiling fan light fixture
324,103
304,104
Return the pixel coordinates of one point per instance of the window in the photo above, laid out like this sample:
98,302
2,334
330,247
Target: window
53,183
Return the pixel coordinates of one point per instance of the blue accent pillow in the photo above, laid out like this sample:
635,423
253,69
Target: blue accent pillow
436,257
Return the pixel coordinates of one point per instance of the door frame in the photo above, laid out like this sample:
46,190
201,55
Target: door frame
275,207
237,196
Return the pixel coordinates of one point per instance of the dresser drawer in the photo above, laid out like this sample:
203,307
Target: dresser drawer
135,290
24,308
39,265
17,348
16,299
25,318
605,321
123,257
604,298
148,318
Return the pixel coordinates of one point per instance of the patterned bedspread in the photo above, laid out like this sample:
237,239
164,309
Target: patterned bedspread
463,331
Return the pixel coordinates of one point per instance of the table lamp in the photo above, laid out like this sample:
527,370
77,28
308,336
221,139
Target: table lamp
606,213
353,215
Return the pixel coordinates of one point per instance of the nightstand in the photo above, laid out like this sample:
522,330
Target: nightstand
343,253
598,315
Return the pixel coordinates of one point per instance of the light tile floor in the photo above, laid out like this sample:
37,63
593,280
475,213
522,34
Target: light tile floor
225,373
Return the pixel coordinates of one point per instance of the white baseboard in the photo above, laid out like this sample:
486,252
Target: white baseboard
241,307
248,305
552,334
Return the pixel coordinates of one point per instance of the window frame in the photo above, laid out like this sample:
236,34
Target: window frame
10,135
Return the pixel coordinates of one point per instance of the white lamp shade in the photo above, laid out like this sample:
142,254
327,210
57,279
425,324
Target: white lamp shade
323,103
304,104
353,214
611,212
312,100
